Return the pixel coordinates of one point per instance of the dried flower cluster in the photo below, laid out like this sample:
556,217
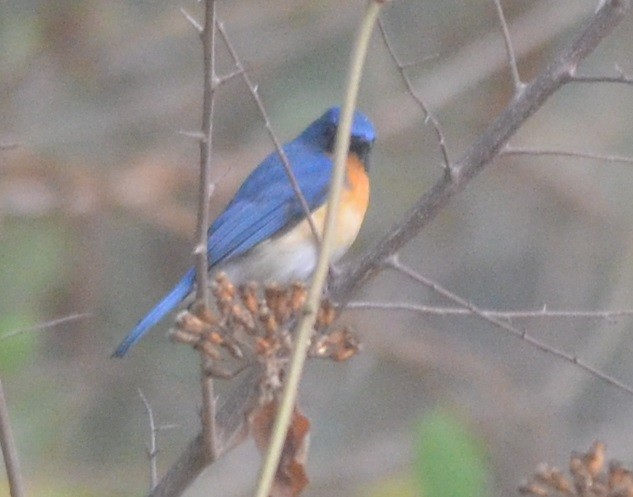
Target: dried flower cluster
590,476
254,323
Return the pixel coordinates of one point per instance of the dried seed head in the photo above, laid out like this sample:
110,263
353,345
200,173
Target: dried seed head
532,488
224,291
576,466
326,315
191,323
590,479
298,296
594,459
559,481
248,295
268,320
255,323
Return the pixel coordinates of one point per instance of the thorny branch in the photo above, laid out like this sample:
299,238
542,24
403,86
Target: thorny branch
428,116
535,93
543,313
252,88
505,325
230,419
152,449
207,37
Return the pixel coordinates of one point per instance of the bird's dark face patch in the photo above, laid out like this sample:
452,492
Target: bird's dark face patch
330,138
358,145
361,147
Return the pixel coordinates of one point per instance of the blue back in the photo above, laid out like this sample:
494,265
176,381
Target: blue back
265,205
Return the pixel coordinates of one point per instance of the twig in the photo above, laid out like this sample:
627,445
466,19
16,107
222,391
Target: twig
207,37
487,146
9,451
46,325
506,326
230,419
152,450
304,329
512,60
194,23
252,88
536,152
508,315
428,116
602,79
620,78
230,430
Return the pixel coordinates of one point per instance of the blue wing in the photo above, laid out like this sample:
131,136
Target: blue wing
265,205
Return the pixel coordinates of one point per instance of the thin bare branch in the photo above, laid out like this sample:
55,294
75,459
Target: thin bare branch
230,424
47,325
229,76
230,416
415,63
512,60
196,25
9,451
428,116
536,152
252,88
602,79
196,135
508,315
152,450
484,149
506,326
619,78
208,38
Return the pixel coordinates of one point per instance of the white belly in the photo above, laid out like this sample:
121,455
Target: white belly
293,255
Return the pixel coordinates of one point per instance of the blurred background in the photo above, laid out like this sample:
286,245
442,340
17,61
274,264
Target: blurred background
97,213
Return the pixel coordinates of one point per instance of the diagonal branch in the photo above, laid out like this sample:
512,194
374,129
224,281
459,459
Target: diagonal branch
428,116
230,417
505,326
252,88
559,72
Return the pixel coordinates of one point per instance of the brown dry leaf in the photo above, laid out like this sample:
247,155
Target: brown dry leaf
291,477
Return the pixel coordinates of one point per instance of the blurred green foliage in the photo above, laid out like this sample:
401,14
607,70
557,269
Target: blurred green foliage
450,460
34,259
16,349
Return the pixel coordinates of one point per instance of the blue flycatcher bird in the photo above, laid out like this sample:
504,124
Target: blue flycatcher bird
263,234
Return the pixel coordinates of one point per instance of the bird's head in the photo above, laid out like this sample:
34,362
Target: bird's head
322,133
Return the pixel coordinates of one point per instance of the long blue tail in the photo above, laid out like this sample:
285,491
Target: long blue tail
164,307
